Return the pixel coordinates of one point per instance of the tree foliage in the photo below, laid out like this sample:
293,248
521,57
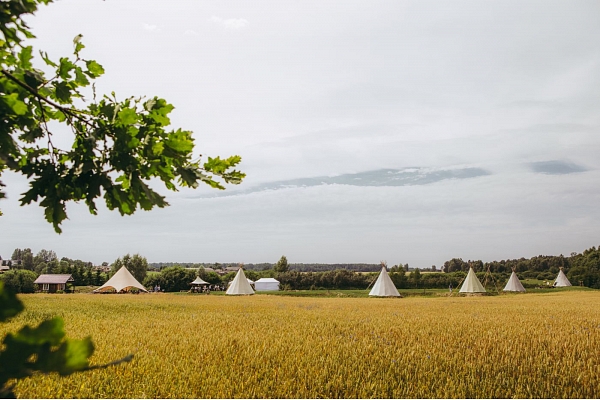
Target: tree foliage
118,145
137,265
282,265
171,279
19,280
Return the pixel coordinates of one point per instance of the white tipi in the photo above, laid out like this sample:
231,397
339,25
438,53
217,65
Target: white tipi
240,284
384,287
561,279
472,284
122,280
514,284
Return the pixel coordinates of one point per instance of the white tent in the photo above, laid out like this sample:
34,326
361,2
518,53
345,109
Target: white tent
472,284
384,287
561,280
199,281
122,280
240,284
514,284
266,284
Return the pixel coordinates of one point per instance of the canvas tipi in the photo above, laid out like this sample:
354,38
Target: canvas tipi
122,280
561,279
514,284
384,287
240,284
472,284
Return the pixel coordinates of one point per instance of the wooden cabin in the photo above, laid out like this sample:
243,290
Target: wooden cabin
51,283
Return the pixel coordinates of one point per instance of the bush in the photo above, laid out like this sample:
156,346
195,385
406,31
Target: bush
171,279
19,280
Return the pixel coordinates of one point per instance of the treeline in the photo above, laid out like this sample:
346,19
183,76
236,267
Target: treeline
25,267
580,268
531,266
308,267
583,268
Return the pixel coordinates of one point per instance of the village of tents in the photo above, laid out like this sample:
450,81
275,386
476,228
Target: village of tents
384,287
266,284
472,284
239,285
121,281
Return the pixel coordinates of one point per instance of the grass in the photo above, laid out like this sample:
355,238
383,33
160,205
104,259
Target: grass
192,346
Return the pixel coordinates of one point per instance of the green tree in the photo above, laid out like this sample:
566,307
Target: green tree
282,265
42,258
97,278
415,277
24,256
119,146
19,280
137,265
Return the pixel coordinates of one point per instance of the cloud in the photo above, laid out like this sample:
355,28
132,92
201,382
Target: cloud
190,32
380,178
150,27
555,167
232,23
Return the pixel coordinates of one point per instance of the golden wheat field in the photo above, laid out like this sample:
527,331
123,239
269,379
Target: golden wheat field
186,346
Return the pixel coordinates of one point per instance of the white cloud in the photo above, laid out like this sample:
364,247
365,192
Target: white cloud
150,27
232,23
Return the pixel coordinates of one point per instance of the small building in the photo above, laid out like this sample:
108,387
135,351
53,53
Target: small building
51,283
4,268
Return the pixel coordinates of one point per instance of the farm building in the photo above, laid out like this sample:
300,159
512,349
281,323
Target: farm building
52,283
266,284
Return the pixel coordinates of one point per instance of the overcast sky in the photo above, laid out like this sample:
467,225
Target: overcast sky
406,131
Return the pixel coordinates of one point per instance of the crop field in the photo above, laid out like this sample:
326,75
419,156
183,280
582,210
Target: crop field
529,346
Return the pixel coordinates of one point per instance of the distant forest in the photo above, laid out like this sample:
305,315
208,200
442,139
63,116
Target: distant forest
311,267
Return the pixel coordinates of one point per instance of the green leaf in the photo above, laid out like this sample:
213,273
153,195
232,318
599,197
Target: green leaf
72,356
25,57
149,104
80,77
127,116
31,135
63,92
12,100
94,69
47,60
78,45
180,141
10,305
33,78
157,148
50,331
65,67
124,181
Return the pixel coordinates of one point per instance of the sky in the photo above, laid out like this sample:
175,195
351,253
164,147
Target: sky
405,131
